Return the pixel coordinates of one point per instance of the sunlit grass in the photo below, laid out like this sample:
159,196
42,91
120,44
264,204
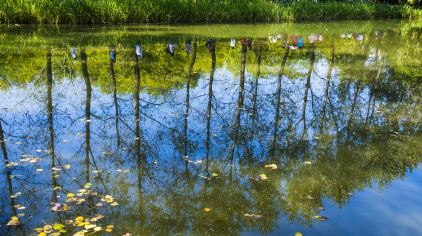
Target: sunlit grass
187,11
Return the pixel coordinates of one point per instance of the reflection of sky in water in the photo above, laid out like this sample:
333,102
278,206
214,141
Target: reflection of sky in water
395,210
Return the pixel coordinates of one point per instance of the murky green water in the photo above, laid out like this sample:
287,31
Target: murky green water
322,140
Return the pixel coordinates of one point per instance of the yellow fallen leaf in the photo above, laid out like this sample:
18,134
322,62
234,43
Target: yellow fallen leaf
214,174
98,228
42,234
59,227
13,221
67,166
298,234
263,177
271,166
90,226
69,195
109,228
207,209
80,233
68,222
48,228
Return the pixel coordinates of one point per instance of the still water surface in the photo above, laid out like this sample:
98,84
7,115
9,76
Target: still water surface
213,140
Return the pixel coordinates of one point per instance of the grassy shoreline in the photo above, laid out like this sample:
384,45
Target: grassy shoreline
177,11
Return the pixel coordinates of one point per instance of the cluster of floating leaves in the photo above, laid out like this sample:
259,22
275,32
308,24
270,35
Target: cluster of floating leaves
83,226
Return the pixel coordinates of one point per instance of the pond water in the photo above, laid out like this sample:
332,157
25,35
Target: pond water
213,140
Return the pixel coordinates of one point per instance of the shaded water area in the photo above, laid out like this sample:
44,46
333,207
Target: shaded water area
213,140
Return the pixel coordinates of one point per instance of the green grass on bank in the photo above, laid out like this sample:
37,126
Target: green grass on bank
191,11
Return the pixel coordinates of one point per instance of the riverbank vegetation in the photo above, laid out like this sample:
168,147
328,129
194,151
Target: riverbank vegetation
196,11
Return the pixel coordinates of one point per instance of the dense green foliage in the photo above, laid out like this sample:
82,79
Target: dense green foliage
189,11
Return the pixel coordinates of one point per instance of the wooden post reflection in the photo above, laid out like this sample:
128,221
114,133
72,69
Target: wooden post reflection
258,52
307,87
278,100
116,105
209,108
87,113
139,157
326,91
8,174
186,114
51,144
235,132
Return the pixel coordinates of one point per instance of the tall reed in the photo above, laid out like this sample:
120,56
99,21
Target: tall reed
191,11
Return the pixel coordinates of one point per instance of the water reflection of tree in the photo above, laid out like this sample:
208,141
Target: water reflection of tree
337,168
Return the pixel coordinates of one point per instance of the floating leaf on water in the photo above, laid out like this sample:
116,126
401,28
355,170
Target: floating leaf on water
67,166
307,163
271,166
98,228
87,186
39,170
253,216
48,228
80,233
321,209
204,177
69,222
214,174
21,208
14,221
109,228
90,226
263,177
114,204
206,209
60,207
38,150
21,215
59,227
65,141
298,234
42,234
321,218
